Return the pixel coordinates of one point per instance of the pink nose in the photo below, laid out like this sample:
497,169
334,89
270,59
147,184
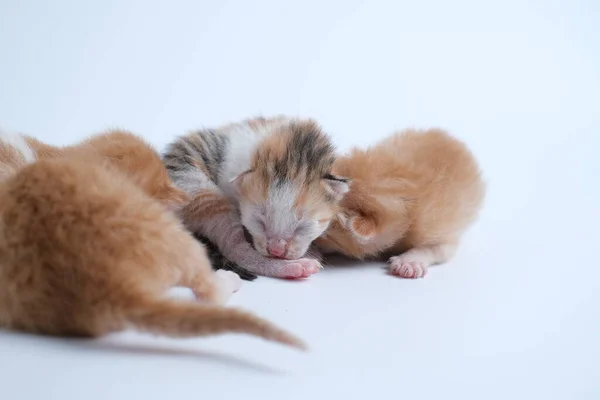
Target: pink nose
277,247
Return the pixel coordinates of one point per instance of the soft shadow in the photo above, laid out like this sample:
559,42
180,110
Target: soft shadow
149,350
110,345
335,261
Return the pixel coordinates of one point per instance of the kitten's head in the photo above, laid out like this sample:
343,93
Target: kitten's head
289,196
374,209
139,161
356,221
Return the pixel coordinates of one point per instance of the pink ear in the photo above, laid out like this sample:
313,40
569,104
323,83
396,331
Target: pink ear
238,179
337,185
363,228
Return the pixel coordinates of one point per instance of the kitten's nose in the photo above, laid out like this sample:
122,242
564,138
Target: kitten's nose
277,247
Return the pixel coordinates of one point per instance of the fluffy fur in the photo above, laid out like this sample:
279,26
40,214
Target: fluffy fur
121,150
262,191
128,154
84,252
412,195
14,154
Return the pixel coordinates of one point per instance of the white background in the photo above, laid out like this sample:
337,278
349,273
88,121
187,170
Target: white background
514,315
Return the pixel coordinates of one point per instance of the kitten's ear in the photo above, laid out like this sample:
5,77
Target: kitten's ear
238,179
363,227
336,185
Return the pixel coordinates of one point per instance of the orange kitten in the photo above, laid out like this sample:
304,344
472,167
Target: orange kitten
412,195
122,150
129,154
85,252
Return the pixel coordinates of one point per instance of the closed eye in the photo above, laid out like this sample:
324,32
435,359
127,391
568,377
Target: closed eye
303,228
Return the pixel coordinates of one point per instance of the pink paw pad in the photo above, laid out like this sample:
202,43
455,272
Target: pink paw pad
302,268
230,281
407,269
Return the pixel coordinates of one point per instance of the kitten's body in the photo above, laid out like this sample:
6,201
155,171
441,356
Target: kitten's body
84,252
412,195
121,150
261,188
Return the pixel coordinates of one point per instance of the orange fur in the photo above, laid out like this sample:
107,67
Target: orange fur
129,154
207,204
415,192
122,150
41,149
10,160
84,252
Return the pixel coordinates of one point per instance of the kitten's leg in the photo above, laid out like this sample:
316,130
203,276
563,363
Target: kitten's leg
216,287
219,261
414,262
195,271
212,215
229,236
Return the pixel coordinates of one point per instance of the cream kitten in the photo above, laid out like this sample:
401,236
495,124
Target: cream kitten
412,195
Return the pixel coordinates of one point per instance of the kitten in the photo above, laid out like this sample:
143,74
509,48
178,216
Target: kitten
262,191
122,150
127,153
412,195
134,157
85,252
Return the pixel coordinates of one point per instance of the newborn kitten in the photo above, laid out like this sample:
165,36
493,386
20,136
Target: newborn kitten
121,150
412,195
85,252
261,188
128,154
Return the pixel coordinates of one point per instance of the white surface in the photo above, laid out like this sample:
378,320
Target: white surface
514,315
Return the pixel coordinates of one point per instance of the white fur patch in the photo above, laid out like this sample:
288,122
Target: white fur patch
18,142
242,142
282,218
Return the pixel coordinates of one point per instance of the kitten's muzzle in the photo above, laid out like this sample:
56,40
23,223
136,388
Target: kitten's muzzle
277,247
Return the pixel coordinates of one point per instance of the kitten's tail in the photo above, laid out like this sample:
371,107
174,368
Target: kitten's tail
178,318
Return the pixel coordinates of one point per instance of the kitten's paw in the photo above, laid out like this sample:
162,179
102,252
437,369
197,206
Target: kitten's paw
411,269
302,268
229,281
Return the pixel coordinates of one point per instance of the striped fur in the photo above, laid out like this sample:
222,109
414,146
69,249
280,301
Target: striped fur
264,179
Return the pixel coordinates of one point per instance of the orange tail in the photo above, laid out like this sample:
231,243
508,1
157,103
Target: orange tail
178,318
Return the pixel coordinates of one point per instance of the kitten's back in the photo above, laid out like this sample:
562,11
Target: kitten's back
84,252
415,187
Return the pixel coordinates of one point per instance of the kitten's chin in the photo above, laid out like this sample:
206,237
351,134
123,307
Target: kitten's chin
296,255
